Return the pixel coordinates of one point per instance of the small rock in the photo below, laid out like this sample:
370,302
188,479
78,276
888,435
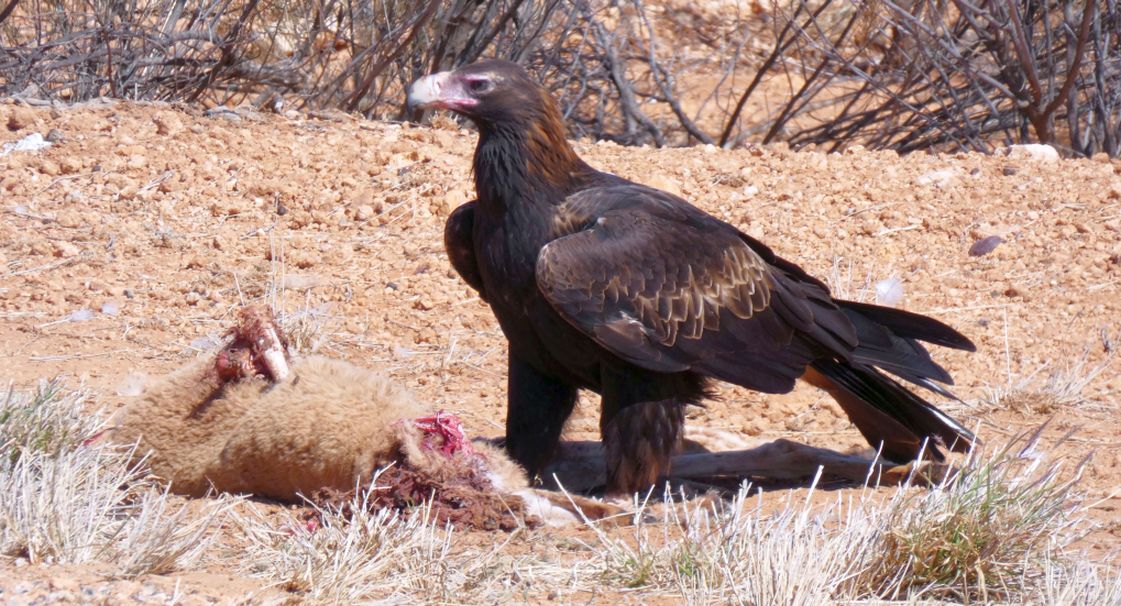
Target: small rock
168,125
137,161
985,246
128,192
450,202
364,212
1008,171
30,143
938,178
49,168
1030,151
55,136
65,249
664,183
20,118
223,112
1115,191
70,165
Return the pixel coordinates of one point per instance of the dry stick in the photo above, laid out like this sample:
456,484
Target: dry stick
891,106
226,48
109,63
787,111
1023,53
615,68
460,10
4,14
921,123
1079,51
487,39
780,47
534,39
379,67
662,79
1102,133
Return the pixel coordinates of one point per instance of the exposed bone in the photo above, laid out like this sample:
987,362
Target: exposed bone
274,355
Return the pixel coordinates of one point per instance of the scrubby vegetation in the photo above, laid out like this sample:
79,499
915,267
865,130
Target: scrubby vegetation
913,75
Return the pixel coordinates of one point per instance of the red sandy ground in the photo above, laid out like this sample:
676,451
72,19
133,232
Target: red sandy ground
160,222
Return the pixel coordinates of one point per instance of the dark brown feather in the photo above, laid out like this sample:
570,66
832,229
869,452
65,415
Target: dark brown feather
459,242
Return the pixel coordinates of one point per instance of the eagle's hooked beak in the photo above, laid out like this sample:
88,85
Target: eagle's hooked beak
442,90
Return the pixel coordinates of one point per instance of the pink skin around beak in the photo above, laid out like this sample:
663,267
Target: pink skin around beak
440,90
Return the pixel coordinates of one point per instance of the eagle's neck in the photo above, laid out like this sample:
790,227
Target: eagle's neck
526,166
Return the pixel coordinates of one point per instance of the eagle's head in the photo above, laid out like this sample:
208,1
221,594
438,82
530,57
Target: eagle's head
522,151
490,93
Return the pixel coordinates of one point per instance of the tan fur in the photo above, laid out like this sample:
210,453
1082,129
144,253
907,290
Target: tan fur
327,426
505,474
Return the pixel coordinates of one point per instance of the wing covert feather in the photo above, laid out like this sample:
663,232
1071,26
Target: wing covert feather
460,246
670,292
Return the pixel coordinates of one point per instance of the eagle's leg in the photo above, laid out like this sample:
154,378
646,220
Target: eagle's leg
638,443
537,408
642,423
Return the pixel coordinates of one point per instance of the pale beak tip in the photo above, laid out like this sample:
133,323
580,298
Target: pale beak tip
425,92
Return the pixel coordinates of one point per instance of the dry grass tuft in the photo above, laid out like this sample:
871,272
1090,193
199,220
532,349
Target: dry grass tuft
987,532
48,420
1077,584
349,554
732,551
998,529
68,502
1063,388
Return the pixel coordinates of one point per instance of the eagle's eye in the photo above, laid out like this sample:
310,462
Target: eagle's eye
479,85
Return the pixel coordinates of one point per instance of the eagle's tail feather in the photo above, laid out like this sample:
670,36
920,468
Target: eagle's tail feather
888,414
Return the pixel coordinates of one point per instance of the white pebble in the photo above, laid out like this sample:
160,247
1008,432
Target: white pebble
81,315
30,143
889,291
